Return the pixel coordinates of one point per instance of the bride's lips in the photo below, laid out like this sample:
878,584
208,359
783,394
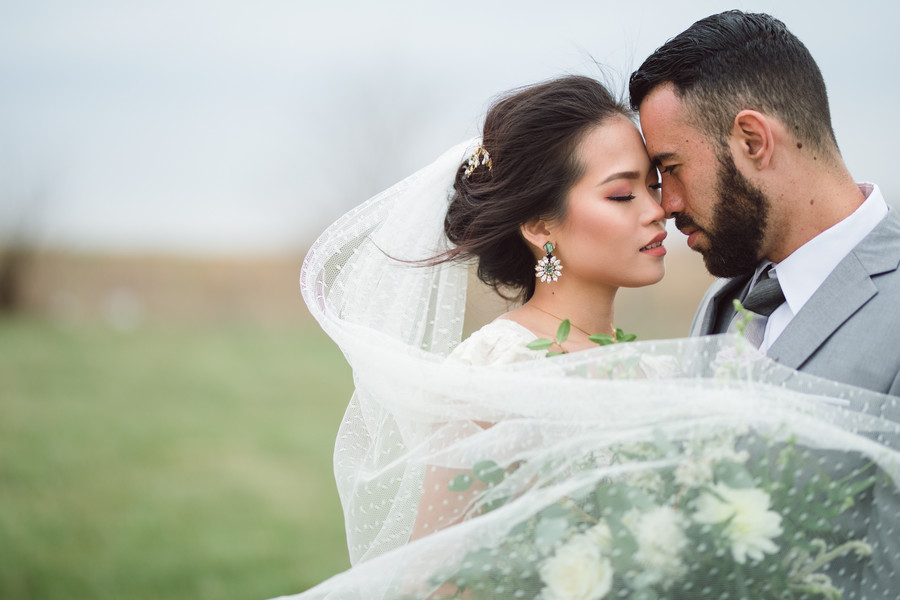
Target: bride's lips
655,247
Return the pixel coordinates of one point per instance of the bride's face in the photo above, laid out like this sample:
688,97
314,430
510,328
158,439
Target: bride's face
614,225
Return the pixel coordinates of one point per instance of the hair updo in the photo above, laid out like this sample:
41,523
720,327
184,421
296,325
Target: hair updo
532,135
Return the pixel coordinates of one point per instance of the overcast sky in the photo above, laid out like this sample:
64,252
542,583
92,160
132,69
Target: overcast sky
223,126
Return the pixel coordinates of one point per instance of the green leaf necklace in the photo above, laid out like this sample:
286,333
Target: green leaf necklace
561,320
562,334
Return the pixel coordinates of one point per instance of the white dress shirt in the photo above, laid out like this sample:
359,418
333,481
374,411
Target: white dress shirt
801,273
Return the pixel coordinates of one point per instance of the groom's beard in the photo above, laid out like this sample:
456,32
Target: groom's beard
739,221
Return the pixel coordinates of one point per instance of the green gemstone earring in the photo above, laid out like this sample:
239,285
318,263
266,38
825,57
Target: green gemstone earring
548,268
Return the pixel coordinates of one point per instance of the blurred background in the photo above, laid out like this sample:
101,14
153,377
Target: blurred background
167,406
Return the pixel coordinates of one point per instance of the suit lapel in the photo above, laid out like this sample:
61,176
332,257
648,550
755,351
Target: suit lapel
845,290
716,307
842,293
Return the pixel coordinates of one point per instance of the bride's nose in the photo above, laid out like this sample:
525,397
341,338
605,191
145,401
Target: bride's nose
653,211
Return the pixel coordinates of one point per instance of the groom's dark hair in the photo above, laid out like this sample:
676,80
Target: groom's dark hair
733,61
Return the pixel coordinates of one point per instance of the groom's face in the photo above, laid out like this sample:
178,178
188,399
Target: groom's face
723,214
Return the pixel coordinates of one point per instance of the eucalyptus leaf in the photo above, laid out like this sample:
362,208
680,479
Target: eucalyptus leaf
744,316
549,531
494,504
540,344
858,486
551,354
621,497
461,482
625,545
488,471
645,593
740,583
472,567
554,510
631,362
733,474
602,339
662,443
814,518
562,333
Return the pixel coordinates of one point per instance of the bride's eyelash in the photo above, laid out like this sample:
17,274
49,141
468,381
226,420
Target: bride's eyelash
621,198
655,186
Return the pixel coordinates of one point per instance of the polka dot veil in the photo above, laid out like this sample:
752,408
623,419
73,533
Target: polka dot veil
692,468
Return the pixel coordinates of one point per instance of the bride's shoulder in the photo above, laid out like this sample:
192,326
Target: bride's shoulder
501,341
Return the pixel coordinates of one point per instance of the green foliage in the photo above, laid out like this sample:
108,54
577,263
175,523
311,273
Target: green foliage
562,334
621,336
540,344
489,472
745,316
461,483
604,339
792,483
168,463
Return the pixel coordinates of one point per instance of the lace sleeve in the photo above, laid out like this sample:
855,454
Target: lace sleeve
500,342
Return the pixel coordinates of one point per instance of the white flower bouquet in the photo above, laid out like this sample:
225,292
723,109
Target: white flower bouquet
697,519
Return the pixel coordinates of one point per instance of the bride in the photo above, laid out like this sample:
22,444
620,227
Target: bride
663,469
561,179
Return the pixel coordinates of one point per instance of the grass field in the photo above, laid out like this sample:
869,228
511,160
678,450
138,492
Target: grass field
168,462
186,458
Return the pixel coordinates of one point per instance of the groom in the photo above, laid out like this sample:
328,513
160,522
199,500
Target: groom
735,116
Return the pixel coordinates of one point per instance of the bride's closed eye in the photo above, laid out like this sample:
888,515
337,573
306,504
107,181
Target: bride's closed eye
621,198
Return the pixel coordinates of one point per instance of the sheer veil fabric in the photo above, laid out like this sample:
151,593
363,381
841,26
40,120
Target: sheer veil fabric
688,468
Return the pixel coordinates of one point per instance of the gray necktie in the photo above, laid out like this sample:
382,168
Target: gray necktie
763,299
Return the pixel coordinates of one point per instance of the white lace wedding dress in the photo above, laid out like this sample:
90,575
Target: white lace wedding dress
683,468
500,342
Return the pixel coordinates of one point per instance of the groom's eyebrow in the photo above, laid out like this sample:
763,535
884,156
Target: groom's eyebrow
658,159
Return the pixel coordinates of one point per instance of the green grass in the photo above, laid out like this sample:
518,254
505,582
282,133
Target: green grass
168,463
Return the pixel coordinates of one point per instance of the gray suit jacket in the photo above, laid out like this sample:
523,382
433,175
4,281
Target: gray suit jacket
848,331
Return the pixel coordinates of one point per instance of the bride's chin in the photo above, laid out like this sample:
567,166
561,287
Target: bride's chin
655,275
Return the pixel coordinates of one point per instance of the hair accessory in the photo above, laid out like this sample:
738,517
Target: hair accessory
479,157
548,268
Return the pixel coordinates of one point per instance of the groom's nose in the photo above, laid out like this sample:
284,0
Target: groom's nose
672,201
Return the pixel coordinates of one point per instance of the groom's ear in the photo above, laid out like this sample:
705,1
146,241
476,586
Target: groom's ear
536,232
753,138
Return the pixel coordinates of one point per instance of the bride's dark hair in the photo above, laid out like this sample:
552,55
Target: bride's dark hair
532,135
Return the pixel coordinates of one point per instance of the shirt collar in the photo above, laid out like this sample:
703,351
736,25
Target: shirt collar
801,273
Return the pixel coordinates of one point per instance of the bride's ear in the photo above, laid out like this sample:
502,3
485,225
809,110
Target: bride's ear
536,232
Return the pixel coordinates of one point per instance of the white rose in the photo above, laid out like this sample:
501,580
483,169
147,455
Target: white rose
578,571
753,527
661,542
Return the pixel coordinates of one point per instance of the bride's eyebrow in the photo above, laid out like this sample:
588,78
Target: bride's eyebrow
622,175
